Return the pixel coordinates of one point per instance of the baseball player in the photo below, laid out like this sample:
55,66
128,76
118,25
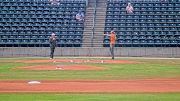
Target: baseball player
52,41
112,38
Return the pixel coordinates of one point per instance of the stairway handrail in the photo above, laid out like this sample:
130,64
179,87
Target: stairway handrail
94,18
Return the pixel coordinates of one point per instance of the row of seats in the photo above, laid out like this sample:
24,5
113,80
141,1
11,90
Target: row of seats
65,1
64,11
74,3
143,1
39,22
150,13
35,6
165,25
28,20
135,39
20,5
43,1
148,33
145,8
142,29
147,17
39,42
41,27
40,37
4,41
147,37
6,28
35,32
35,29
155,40
144,4
150,1
144,43
36,14
36,9
161,21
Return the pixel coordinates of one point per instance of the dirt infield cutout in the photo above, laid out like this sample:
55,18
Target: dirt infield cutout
101,86
71,67
79,61
61,67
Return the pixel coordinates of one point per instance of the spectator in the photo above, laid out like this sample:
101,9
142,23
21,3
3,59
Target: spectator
54,2
80,16
129,8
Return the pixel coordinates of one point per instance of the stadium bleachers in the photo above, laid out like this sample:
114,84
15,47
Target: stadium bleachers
153,23
29,23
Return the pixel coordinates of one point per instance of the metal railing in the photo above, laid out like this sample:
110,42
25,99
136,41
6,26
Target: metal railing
94,22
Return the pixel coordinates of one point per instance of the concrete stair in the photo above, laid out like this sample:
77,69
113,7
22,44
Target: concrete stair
88,27
98,38
100,23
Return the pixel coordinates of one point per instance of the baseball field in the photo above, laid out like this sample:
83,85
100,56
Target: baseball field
89,79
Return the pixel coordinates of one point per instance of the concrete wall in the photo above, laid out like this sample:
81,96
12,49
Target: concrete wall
102,52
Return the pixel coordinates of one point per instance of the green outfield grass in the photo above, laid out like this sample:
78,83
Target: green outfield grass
90,97
147,68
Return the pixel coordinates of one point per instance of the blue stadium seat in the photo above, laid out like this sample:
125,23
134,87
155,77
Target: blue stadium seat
143,42
135,42
128,42
106,43
136,4
120,42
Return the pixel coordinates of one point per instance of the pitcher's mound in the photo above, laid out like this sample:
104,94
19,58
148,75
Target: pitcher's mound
61,67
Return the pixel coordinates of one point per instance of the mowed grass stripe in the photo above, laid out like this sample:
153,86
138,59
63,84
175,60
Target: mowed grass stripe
91,97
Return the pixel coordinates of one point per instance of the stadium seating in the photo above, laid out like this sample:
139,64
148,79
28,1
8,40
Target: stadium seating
153,23
29,23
